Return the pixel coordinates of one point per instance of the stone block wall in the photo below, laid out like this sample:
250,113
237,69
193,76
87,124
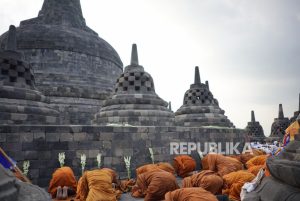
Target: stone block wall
41,145
76,83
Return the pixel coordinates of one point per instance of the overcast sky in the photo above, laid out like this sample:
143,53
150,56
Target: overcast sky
248,50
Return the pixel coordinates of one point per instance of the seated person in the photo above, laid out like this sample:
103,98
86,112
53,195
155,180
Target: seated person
97,185
221,164
153,185
206,179
63,183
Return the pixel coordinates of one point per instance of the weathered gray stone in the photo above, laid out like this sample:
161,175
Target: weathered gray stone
59,41
200,108
280,124
134,101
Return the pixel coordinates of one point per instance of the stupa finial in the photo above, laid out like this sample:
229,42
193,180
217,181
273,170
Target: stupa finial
197,76
11,39
280,112
207,84
299,101
252,116
170,105
134,56
64,12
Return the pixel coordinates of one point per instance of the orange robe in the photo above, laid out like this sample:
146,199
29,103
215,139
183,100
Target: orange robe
255,169
151,167
63,176
184,165
207,179
96,185
234,181
154,185
257,152
221,164
190,194
257,160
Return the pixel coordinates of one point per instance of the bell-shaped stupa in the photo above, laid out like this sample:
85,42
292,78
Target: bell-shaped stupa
280,124
73,66
200,108
254,130
20,102
134,101
296,113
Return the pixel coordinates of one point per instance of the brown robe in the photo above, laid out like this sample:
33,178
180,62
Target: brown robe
207,179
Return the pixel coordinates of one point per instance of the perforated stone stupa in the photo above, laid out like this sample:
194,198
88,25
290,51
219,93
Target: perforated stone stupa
280,124
254,130
134,100
200,108
73,66
20,102
296,113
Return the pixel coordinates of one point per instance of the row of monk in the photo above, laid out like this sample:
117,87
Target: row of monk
221,177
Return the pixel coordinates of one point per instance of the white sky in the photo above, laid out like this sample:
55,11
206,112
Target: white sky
248,50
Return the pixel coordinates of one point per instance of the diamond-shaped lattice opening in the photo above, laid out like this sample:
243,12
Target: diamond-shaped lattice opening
198,97
137,88
20,74
131,83
120,84
4,72
116,90
137,78
149,89
143,83
125,88
28,82
202,101
131,74
5,61
12,79
13,67
190,98
193,102
126,78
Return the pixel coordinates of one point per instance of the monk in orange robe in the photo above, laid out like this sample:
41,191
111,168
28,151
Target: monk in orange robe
257,160
207,179
159,166
63,176
255,169
234,181
221,164
190,194
184,165
153,185
97,185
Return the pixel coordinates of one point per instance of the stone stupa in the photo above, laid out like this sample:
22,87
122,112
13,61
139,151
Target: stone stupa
254,130
279,125
296,113
20,102
200,108
73,66
134,101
